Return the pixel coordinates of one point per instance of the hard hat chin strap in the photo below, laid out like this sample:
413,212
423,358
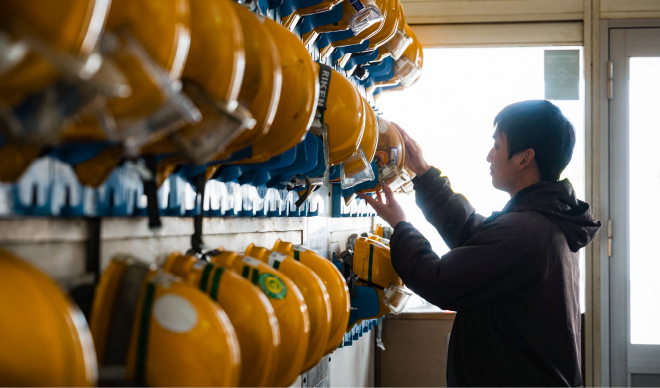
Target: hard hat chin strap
196,241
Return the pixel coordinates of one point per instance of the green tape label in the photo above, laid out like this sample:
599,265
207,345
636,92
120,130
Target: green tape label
143,333
204,282
275,259
215,284
272,286
371,261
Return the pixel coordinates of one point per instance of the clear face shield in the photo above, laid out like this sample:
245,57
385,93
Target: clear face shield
356,170
395,298
391,173
82,79
366,14
407,71
221,124
398,44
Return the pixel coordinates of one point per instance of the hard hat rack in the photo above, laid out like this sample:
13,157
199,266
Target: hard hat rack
50,189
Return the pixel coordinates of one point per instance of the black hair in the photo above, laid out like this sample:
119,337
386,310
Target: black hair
539,125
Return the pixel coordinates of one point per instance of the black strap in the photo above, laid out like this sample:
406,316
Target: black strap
357,5
196,239
151,191
370,284
325,73
212,253
305,193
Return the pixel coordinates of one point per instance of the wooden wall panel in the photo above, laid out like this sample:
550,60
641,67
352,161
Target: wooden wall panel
509,34
629,9
490,11
415,352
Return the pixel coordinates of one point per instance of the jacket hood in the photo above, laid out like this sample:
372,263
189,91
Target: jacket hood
557,201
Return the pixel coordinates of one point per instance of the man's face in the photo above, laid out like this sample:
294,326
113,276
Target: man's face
502,169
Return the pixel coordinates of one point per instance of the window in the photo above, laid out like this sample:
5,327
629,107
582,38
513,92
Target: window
450,112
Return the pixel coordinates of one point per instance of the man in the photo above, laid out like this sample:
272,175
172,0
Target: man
512,278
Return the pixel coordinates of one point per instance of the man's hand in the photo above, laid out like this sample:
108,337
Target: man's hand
391,211
414,156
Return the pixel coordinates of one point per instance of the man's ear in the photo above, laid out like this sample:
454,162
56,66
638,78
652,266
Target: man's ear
526,158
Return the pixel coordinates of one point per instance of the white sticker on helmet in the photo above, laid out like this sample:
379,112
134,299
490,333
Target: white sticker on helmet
382,126
275,257
251,261
175,313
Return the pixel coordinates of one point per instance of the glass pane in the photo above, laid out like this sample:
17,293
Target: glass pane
644,200
450,112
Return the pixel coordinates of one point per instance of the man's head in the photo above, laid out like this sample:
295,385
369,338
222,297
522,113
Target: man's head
533,142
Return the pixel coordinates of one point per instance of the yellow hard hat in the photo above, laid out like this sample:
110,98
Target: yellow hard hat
70,26
345,116
260,88
149,55
248,309
45,339
380,239
390,157
373,266
383,231
262,83
216,60
16,158
94,171
358,169
342,25
289,306
166,38
212,77
101,314
364,23
315,294
291,21
383,53
334,283
300,90
167,332
181,338
392,23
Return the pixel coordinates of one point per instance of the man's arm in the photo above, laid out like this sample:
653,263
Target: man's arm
502,258
450,213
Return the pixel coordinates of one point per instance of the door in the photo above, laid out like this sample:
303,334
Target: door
634,120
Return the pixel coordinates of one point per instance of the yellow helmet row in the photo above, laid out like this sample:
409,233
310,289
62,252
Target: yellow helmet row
393,21
274,316
248,309
364,20
224,66
164,330
334,283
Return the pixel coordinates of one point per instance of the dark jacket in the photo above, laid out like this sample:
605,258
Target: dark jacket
512,278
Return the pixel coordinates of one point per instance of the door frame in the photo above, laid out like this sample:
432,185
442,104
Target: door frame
614,327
